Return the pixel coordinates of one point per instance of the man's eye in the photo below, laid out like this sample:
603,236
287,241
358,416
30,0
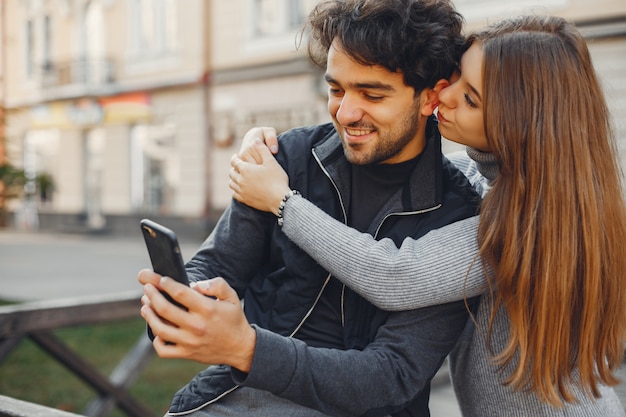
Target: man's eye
373,98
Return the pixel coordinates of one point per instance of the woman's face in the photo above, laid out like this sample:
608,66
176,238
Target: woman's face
460,110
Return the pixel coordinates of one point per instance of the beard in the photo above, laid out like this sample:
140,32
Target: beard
389,144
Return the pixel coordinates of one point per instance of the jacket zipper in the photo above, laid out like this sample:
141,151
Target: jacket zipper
319,295
404,213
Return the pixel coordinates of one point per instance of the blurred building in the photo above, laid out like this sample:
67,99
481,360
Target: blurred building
259,77
2,63
2,140
132,108
106,106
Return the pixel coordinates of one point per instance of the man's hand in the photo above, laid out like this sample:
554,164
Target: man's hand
212,331
266,135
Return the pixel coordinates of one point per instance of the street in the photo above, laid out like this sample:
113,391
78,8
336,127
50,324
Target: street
38,266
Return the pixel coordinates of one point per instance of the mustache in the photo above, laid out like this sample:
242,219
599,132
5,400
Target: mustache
360,125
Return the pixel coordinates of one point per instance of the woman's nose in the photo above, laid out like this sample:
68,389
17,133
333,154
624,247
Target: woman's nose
446,97
449,96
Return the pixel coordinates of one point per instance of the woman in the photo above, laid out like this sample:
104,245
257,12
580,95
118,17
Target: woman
550,330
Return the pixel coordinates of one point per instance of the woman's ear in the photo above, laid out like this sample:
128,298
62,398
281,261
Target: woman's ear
432,97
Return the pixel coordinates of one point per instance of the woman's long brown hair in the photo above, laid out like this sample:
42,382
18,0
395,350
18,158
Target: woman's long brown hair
553,227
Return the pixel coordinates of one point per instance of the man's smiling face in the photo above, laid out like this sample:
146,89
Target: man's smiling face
375,113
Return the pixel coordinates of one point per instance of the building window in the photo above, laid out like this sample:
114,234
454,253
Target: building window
273,24
277,17
154,167
93,66
170,23
154,26
147,25
269,19
47,41
299,10
37,42
30,49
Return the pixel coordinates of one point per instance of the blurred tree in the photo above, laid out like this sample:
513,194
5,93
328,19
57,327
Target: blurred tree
12,182
45,186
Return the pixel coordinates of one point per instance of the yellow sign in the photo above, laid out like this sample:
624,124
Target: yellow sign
125,108
50,115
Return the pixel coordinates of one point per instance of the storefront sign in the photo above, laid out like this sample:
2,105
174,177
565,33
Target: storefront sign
127,108
85,111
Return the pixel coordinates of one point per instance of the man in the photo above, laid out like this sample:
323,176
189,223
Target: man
314,344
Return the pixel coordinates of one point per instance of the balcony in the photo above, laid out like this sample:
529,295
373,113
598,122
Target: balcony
84,72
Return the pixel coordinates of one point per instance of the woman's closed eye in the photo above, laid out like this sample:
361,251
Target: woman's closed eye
469,101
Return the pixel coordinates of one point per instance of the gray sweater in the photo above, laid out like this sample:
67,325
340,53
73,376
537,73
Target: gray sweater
424,272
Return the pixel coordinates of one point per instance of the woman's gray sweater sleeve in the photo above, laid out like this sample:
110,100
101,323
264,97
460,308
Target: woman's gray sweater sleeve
441,267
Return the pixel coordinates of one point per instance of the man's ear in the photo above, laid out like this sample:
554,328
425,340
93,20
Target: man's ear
432,97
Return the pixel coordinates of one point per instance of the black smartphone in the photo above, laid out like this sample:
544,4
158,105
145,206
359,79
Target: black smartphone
164,252
165,256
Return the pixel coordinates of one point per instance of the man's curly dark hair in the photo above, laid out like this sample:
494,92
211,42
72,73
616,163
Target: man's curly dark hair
420,38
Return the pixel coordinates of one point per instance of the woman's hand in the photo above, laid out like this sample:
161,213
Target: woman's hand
260,184
266,135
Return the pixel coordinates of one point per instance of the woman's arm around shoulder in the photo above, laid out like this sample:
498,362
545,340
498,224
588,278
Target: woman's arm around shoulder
440,267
